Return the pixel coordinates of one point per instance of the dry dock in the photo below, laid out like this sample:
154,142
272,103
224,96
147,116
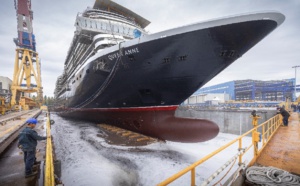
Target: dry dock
281,151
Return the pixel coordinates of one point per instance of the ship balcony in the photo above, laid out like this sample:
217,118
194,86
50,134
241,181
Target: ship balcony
87,26
96,14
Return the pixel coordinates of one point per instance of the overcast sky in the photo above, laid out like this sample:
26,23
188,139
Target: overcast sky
53,26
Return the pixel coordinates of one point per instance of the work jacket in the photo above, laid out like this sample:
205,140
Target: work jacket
284,113
28,139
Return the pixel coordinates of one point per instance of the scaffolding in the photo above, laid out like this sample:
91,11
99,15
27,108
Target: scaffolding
254,90
275,90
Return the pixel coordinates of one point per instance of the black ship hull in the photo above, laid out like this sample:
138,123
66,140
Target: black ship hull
138,84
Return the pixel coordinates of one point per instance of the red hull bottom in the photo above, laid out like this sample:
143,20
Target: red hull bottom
158,122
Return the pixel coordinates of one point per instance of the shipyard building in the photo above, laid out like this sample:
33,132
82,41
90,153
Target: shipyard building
245,90
5,84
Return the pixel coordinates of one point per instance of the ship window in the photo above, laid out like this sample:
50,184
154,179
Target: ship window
80,76
131,58
182,58
222,54
227,53
166,60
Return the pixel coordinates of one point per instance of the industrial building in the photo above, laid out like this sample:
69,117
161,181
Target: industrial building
245,90
5,84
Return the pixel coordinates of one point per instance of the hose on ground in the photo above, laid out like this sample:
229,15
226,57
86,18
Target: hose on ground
271,176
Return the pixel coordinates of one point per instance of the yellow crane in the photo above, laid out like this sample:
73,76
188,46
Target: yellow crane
2,106
27,68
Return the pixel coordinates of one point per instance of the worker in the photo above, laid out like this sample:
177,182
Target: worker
285,116
28,142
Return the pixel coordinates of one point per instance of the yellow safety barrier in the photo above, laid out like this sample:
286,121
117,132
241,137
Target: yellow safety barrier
268,129
49,168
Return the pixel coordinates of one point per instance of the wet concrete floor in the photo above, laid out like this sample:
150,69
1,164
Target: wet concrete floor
283,150
12,168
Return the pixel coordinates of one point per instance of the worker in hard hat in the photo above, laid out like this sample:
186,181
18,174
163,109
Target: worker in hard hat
28,142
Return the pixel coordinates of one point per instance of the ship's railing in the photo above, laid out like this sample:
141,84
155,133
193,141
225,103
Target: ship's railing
107,26
268,128
96,12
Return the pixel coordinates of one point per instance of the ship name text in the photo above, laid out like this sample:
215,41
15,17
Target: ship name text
126,52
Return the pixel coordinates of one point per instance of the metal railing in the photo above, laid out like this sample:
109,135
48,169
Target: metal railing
268,128
49,167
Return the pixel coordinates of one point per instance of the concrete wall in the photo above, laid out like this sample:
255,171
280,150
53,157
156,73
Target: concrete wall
229,121
207,97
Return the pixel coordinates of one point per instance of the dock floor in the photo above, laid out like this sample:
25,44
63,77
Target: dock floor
283,150
12,168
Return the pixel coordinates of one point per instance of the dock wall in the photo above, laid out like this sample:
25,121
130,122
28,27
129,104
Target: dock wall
229,121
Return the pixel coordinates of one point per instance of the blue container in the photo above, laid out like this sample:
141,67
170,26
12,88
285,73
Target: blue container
137,33
25,35
26,42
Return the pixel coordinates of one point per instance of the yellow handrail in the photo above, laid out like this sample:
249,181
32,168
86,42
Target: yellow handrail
49,169
269,127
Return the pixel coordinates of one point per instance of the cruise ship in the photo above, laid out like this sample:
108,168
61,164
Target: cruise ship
117,73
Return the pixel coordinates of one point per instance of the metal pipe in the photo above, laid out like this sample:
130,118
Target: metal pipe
295,80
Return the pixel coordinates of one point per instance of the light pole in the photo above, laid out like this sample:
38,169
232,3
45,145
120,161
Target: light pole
295,80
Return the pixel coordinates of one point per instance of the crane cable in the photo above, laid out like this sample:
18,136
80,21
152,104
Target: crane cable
271,176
